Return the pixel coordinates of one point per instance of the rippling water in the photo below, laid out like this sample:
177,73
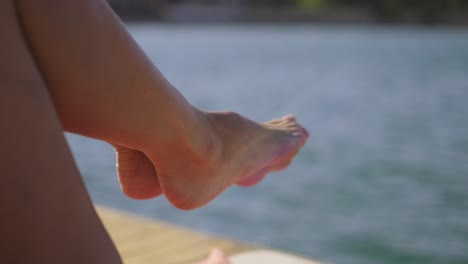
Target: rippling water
384,178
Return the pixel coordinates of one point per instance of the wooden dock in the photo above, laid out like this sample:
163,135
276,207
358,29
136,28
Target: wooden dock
144,241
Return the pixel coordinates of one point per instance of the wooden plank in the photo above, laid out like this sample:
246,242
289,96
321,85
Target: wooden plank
142,241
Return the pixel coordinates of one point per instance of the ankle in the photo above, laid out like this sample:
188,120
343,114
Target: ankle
203,139
192,137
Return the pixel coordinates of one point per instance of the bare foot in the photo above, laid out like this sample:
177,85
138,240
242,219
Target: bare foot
137,175
235,150
216,257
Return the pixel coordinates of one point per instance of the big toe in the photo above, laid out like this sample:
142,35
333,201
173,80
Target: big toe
290,144
137,176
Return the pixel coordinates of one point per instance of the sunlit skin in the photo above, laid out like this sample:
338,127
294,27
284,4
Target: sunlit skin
70,65
216,257
191,181
196,154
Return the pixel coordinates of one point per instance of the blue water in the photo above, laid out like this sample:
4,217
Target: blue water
384,177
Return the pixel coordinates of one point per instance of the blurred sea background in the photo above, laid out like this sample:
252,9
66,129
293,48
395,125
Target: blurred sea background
384,176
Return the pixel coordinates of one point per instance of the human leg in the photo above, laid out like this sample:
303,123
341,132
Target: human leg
47,216
105,87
